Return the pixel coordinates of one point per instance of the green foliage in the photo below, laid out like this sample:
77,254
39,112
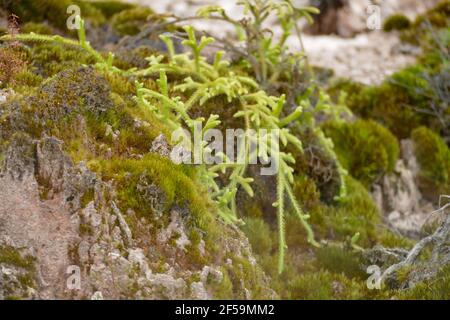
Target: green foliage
433,156
267,57
396,22
388,103
417,95
205,81
365,148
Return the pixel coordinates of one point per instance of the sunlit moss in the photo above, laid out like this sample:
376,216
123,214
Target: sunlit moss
433,156
365,148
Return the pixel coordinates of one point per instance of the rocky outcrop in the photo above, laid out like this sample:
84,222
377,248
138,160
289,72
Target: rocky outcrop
399,198
63,236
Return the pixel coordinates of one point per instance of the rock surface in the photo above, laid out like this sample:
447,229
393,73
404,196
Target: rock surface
399,198
88,250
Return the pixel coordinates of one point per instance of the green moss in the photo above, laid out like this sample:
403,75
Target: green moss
38,28
324,285
224,289
52,11
11,256
389,239
26,280
365,148
244,274
110,8
259,235
436,289
178,182
357,213
87,197
26,79
393,102
433,156
193,252
437,16
129,22
340,260
396,22
50,59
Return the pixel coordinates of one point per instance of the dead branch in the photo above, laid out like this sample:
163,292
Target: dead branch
438,238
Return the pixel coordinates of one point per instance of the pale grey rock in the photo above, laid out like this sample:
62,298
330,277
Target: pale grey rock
199,292
398,196
160,146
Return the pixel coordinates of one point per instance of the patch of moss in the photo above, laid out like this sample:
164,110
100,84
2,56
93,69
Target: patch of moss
341,260
52,11
11,256
244,274
110,8
324,285
437,16
365,148
436,289
178,182
50,59
38,28
357,213
433,156
129,22
396,22
224,289
393,102
259,235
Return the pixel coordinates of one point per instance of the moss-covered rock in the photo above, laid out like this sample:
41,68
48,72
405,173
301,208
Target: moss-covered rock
436,289
130,21
433,156
396,22
365,148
